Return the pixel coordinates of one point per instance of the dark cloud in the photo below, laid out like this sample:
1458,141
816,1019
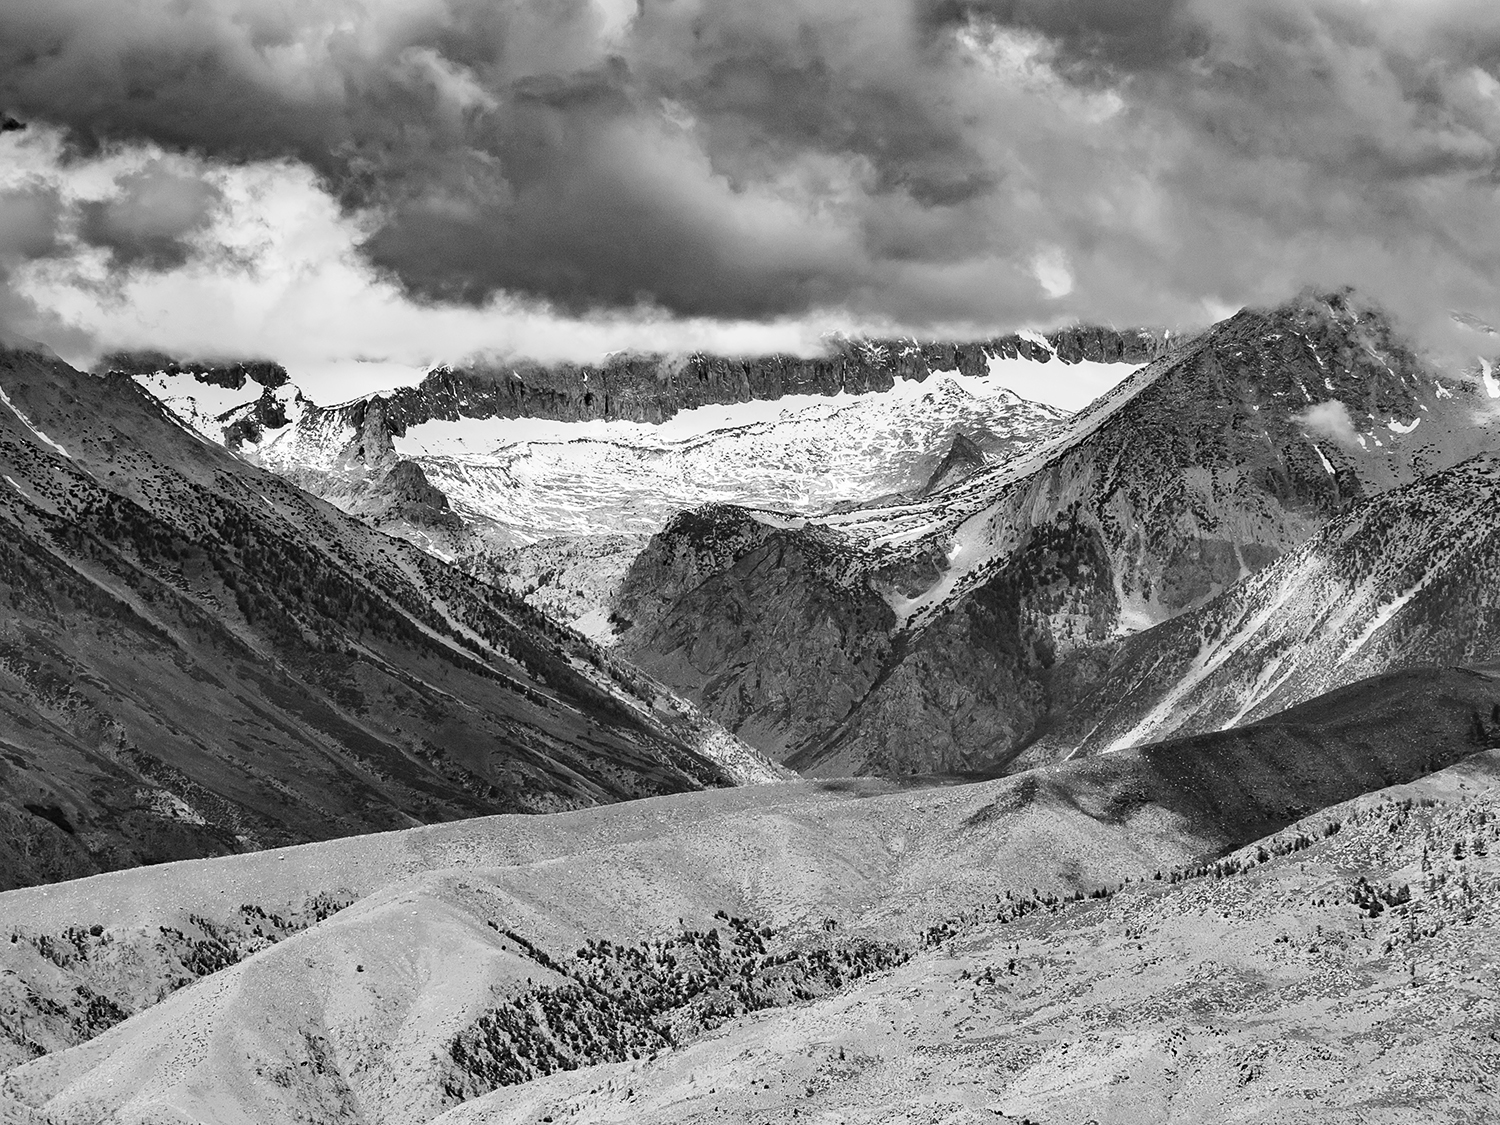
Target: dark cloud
32,217
150,221
900,159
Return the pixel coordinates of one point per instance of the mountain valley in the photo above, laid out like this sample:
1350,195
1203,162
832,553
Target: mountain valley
711,750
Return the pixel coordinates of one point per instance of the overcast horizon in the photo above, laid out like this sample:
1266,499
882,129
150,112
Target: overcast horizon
420,182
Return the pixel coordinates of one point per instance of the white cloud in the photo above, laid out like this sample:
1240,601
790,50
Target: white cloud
1052,272
281,276
1331,420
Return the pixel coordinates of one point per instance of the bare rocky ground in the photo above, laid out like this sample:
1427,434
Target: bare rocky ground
1353,979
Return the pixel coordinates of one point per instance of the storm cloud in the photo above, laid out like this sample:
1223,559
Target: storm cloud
915,162
149,223
32,217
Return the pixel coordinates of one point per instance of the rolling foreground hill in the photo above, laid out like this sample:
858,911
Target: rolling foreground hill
197,658
623,963
1339,973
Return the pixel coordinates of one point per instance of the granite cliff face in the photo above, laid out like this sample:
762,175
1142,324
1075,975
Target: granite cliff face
1200,470
718,585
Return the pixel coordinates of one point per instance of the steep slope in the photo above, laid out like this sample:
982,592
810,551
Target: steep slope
1200,469
198,658
1408,578
355,1018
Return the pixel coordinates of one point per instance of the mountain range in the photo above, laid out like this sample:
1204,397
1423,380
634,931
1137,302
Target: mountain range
927,577
948,633
528,453
696,739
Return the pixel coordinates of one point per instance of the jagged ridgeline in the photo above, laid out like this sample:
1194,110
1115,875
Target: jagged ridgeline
453,464
652,388
248,422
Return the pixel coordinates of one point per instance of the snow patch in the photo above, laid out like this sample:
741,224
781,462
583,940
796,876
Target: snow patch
1037,338
596,626
825,452
1322,458
25,421
1067,386
201,406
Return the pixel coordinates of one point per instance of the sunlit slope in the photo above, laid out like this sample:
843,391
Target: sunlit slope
361,1008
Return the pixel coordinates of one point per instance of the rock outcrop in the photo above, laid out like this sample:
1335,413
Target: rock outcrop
652,388
232,374
962,461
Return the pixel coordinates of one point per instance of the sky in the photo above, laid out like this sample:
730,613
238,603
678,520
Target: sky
359,188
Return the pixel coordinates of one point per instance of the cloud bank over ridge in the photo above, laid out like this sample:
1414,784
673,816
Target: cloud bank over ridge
783,168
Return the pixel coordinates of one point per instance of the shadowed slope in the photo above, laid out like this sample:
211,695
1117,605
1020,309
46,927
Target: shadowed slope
198,658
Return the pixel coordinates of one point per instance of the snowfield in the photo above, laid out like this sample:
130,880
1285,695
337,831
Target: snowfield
536,479
803,455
